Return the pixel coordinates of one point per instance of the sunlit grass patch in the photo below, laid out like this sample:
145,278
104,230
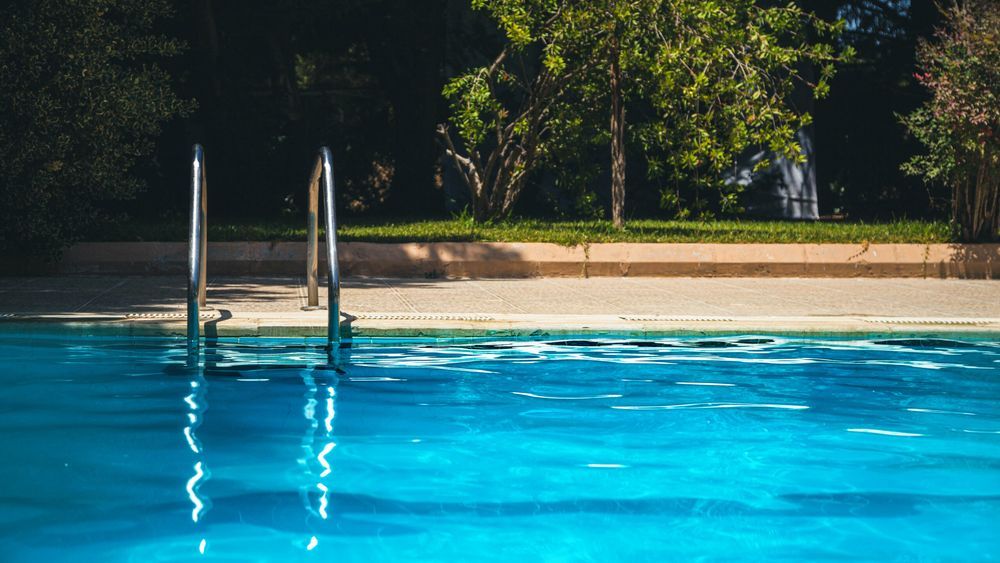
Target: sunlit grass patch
562,232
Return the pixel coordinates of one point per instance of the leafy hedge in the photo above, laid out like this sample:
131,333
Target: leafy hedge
81,102
960,124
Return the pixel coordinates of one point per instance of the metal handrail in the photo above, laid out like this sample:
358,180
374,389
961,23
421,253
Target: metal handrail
323,170
197,245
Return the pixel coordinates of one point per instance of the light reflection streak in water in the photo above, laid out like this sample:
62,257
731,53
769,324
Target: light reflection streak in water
709,406
320,506
197,405
191,488
885,432
322,458
673,351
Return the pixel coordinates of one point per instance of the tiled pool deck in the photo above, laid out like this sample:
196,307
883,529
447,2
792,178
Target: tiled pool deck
409,307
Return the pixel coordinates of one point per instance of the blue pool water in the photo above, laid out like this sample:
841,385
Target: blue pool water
523,450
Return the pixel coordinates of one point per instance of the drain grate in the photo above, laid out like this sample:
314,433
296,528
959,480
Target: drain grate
928,321
421,317
166,315
674,318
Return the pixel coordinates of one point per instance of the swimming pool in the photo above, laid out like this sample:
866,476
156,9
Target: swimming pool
582,449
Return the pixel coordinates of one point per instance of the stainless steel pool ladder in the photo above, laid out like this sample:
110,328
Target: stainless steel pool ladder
322,172
197,245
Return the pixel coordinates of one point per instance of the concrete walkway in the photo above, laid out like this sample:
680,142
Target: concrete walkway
408,307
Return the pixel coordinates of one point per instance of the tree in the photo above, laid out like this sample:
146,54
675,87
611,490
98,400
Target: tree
960,124
716,76
82,100
503,110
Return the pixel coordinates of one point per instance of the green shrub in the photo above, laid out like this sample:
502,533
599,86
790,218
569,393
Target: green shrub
960,124
81,101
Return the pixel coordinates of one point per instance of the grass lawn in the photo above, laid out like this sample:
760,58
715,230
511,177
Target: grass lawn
559,232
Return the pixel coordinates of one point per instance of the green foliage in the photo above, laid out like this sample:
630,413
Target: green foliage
711,78
960,124
503,110
573,162
476,110
82,100
718,77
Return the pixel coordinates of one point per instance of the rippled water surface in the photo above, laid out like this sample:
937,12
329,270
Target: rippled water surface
606,449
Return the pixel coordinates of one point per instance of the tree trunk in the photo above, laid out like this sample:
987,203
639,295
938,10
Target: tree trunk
976,198
617,139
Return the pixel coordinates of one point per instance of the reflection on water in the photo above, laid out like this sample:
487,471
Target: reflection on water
600,449
197,404
316,494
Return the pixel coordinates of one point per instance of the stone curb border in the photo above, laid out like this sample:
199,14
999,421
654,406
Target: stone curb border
521,260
